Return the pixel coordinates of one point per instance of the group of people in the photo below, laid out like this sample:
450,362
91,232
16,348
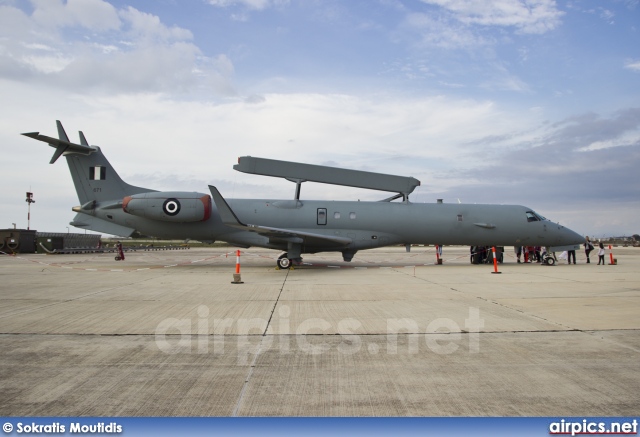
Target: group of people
483,254
531,253
588,247
537,253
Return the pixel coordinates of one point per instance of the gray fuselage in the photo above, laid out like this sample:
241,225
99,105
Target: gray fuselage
367,224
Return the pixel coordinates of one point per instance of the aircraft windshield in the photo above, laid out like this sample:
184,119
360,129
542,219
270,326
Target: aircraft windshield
533,217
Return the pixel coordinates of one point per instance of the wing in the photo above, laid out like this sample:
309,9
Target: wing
229,218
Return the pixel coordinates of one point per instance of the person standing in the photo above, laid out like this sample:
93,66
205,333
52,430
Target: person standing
571,253
601,254
588,247
120,256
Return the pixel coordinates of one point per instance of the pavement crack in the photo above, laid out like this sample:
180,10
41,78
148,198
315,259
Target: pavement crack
238,405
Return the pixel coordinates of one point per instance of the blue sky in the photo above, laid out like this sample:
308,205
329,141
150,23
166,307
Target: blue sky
532,102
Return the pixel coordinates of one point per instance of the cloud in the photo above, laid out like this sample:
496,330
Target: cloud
582,160
526,16
464,36
255,99
633,65
502,79
144,27
127,51
250,4
96,15
381,133
441,32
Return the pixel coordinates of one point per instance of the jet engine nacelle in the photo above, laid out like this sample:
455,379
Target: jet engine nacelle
169,206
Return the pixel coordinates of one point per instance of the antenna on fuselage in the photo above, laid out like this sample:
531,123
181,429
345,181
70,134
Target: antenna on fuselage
298,173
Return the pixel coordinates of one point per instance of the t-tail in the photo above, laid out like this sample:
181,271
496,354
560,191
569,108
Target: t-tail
97,184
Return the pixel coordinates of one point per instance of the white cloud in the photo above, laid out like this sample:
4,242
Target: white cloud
404,136
147,27
528,16
48,64
625,140
633,65
96,15
127,51
443,33
504,80
251,4
607,15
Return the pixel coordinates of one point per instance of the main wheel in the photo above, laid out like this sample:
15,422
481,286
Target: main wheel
283,261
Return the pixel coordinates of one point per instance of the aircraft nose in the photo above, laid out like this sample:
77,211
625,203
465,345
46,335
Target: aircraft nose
571,237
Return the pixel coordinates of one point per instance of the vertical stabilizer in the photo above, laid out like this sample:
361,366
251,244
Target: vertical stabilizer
93,176
61,133
83,140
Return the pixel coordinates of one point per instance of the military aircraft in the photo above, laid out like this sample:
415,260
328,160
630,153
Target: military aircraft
295,226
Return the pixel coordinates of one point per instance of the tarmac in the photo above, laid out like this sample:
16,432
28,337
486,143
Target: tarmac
389,334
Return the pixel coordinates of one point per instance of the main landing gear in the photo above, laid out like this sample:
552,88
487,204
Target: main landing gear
284,262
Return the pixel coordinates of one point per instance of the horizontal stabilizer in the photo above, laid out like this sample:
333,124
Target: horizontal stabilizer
85,221
62,144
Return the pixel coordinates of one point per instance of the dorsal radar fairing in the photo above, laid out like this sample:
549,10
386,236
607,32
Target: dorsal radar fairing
298,172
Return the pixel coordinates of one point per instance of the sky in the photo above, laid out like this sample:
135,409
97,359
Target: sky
529,102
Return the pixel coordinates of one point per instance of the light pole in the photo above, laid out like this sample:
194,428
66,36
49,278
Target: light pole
29,201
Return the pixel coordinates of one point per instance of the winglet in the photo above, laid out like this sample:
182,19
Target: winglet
227,215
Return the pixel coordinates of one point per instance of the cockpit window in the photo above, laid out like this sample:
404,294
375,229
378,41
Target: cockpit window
533,217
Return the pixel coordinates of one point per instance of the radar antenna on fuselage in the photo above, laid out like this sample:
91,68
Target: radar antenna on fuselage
298,173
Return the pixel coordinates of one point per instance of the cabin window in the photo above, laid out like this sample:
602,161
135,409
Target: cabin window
352,215
322,216
336,215
459,217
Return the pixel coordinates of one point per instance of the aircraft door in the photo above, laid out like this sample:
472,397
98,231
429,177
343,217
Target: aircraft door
322,216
